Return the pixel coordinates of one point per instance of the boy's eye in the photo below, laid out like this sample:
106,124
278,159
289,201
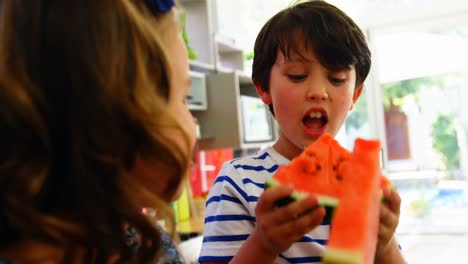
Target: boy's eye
336,80
296,77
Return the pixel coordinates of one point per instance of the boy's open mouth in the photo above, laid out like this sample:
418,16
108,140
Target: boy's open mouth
315,120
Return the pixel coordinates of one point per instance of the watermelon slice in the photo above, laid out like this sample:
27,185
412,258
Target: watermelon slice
314,171
354,227
350,182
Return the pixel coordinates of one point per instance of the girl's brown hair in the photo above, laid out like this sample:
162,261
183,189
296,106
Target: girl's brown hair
84,89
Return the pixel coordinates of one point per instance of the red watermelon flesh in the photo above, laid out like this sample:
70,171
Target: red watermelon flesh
317,170
317,164
354,227
353,178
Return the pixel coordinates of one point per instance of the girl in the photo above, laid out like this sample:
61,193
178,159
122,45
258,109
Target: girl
94,128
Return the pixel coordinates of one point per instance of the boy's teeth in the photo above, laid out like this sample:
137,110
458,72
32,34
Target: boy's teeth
315,115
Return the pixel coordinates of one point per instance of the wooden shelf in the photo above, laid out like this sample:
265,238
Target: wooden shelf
216,100
228,54
200,28
201,66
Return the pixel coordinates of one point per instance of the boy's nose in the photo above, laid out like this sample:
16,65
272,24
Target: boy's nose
317,94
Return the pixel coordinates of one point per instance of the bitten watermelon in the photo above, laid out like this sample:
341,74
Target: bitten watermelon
349,181
354,227
314,171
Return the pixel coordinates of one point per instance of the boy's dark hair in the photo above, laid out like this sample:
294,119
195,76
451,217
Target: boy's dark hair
337,41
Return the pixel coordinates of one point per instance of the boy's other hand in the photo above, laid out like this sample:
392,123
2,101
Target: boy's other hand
389,218
277,228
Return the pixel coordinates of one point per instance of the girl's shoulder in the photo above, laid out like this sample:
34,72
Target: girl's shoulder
170,254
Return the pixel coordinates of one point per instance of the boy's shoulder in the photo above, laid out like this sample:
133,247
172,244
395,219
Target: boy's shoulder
266,160
263,156
245,177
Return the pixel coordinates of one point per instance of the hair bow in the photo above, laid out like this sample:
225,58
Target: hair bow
160,6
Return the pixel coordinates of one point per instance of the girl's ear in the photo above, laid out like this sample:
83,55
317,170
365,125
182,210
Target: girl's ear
356,95
264,95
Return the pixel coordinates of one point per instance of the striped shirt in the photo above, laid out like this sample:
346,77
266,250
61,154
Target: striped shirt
230,211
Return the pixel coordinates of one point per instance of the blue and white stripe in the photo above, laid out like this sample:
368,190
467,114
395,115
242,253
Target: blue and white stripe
230,211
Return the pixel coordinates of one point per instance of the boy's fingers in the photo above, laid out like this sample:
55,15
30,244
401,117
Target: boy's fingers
394,200
295,210
387,217
272,195
316,217
299,226
308,221
384,233
308,203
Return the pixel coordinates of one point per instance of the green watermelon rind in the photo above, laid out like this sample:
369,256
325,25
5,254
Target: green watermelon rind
323,200
340,256
393,187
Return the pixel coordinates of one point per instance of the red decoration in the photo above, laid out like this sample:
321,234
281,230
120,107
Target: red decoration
207,166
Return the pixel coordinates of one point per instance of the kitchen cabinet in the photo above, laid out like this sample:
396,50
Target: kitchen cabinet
219,84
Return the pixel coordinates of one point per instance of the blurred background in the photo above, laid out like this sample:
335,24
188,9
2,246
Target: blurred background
414,101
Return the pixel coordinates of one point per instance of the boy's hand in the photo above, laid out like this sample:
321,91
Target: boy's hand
277,228
389,217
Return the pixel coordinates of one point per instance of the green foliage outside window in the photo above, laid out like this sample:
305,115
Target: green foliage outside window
445,141
393,93
249,56
396,92
444,133
358,115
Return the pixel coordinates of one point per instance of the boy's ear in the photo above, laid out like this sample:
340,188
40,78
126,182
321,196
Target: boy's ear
264,95
356,95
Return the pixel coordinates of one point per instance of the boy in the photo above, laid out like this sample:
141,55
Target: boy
310,64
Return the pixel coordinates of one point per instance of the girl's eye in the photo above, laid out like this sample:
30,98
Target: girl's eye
187,99
296,78
335,80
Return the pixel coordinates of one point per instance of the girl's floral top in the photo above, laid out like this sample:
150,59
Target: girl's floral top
171,255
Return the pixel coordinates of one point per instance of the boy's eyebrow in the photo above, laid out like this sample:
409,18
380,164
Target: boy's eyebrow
300,59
